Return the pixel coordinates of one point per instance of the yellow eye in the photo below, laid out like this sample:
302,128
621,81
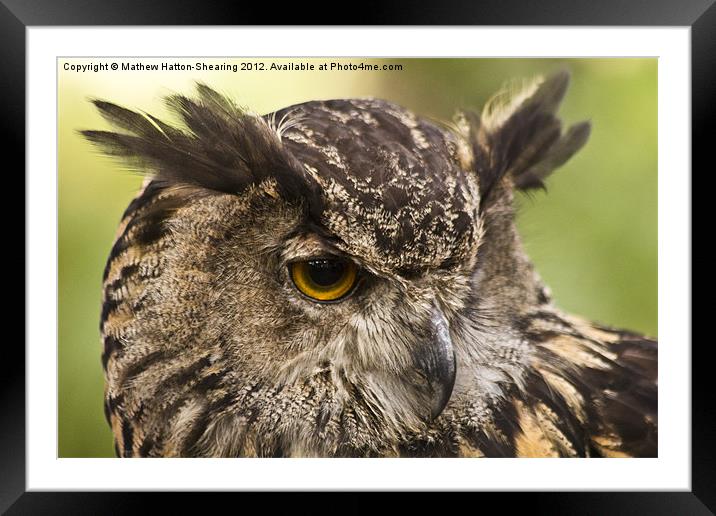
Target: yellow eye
324,279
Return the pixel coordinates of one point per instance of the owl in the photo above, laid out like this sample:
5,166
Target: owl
344,278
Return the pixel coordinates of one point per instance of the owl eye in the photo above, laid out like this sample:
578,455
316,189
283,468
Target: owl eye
324,279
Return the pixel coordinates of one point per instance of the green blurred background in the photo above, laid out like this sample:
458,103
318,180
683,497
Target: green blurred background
593,237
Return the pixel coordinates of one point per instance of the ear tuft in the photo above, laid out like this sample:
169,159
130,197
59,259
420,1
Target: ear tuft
220,147
519,136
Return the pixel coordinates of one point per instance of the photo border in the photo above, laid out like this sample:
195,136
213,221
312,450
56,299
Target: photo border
699,15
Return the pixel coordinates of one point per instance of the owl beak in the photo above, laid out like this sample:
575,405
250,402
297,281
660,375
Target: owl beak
437,360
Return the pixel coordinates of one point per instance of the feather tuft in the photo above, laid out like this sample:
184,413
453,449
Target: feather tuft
519,136
220,147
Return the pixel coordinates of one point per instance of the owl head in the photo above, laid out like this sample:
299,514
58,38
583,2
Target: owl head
339,277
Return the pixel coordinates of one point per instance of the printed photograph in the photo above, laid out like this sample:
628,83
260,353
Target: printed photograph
333,257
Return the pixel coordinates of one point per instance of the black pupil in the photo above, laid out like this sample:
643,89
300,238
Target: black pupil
325,273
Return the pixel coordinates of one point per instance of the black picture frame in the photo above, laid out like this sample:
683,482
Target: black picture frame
17,15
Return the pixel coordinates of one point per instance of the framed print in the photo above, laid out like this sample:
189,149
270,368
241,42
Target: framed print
270,84
256,251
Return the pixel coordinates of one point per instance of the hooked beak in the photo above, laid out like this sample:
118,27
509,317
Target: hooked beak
437,361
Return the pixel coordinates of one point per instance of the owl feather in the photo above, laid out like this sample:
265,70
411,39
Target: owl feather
518,135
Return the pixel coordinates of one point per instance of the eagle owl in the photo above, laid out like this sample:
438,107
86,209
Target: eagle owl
344,278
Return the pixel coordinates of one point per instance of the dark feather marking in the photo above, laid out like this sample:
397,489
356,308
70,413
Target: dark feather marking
208,383
275,452
539,336
111,345
221,404
127,437
186,374
505,420
109,306
124,274
139,366
487,445
114,402
146,448
549,316
121,244
322,418
107,411
149,225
